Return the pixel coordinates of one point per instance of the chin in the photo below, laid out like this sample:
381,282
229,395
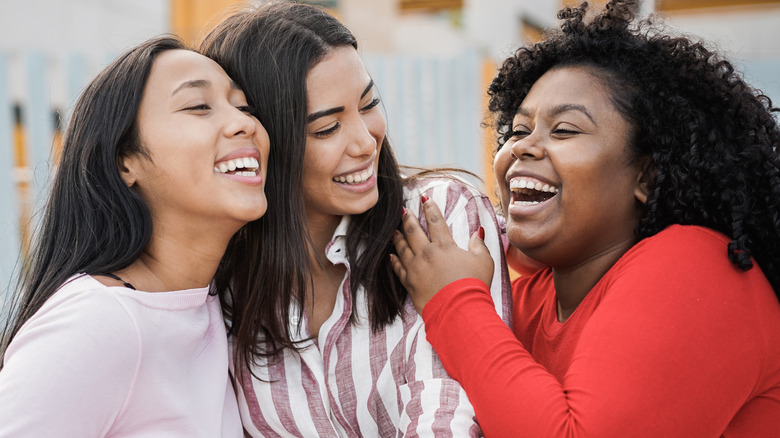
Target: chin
254,213
363,205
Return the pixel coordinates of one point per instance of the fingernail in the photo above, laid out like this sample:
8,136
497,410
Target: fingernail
395,234
403,211
481,233
424,199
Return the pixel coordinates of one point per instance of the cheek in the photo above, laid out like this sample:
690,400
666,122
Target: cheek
263,142
501,163
320,161
376,125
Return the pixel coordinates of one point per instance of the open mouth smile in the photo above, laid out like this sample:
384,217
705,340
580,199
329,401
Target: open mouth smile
247,166
530,191
357,177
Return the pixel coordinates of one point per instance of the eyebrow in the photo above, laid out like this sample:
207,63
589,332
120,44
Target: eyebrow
201,83
316,115
559,109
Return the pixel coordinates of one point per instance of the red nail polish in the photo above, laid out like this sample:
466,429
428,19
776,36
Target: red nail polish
395,234
403,211
481,233
424,199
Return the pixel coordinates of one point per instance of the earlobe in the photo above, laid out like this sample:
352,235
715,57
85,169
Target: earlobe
127,166
642,186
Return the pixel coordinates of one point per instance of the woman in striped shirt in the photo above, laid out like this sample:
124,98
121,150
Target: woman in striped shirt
331,346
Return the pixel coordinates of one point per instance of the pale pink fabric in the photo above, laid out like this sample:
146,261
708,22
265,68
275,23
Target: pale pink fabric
99,361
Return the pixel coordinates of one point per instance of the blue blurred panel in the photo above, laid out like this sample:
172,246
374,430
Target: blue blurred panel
77,77
764,74
40,127
433,108
468,117
9,202
440,140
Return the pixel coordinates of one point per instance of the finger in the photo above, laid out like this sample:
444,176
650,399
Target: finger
413,232
477,243
483,262
402,248
437,226
398,268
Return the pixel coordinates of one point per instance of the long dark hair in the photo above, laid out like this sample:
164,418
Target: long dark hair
269,50
711,139
92,222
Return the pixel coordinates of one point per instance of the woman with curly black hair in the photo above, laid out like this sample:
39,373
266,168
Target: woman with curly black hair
644,172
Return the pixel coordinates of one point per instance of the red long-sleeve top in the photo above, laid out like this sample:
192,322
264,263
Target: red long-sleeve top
673,341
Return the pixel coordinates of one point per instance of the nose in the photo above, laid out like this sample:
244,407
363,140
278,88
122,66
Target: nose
362,139
241,123
528,147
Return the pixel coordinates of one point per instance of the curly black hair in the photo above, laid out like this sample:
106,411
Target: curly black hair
711,139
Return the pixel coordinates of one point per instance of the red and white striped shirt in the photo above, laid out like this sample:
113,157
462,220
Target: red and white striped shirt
352,382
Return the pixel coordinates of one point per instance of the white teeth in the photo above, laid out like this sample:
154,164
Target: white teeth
525,183
355,178
249,163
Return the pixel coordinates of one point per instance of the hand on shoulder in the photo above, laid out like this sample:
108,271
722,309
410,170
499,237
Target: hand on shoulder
426,265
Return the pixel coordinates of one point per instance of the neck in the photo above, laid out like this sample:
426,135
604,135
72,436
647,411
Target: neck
321,229
177,261
324,276
573,283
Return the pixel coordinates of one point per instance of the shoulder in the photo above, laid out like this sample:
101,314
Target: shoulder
77,357
680,248
686,257
452,194
684,238
449,185
83,314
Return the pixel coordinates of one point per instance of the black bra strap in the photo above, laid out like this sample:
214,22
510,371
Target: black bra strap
115,277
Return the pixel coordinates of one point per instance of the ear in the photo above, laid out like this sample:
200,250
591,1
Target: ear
129,168
643,179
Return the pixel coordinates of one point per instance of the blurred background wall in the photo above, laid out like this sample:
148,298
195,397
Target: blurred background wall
432,61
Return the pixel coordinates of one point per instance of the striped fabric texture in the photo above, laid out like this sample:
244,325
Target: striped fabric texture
352,382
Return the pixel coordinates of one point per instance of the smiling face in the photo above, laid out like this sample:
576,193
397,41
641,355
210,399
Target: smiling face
207,154
344,137
569,184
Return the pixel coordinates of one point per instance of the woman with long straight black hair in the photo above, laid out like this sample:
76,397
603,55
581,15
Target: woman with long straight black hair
116,330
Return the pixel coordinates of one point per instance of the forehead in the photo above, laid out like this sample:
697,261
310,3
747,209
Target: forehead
174,67
340,74
568,85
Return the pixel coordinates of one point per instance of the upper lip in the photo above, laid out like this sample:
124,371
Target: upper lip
245,152
359,168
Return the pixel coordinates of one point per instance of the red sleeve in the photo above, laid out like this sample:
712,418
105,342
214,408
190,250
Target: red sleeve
675,348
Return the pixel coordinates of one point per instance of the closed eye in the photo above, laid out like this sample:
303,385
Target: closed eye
565,132
517,134
247,109
371,105
200,107
326,132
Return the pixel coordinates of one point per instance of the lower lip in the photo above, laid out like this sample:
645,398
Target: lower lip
359,188
251,180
